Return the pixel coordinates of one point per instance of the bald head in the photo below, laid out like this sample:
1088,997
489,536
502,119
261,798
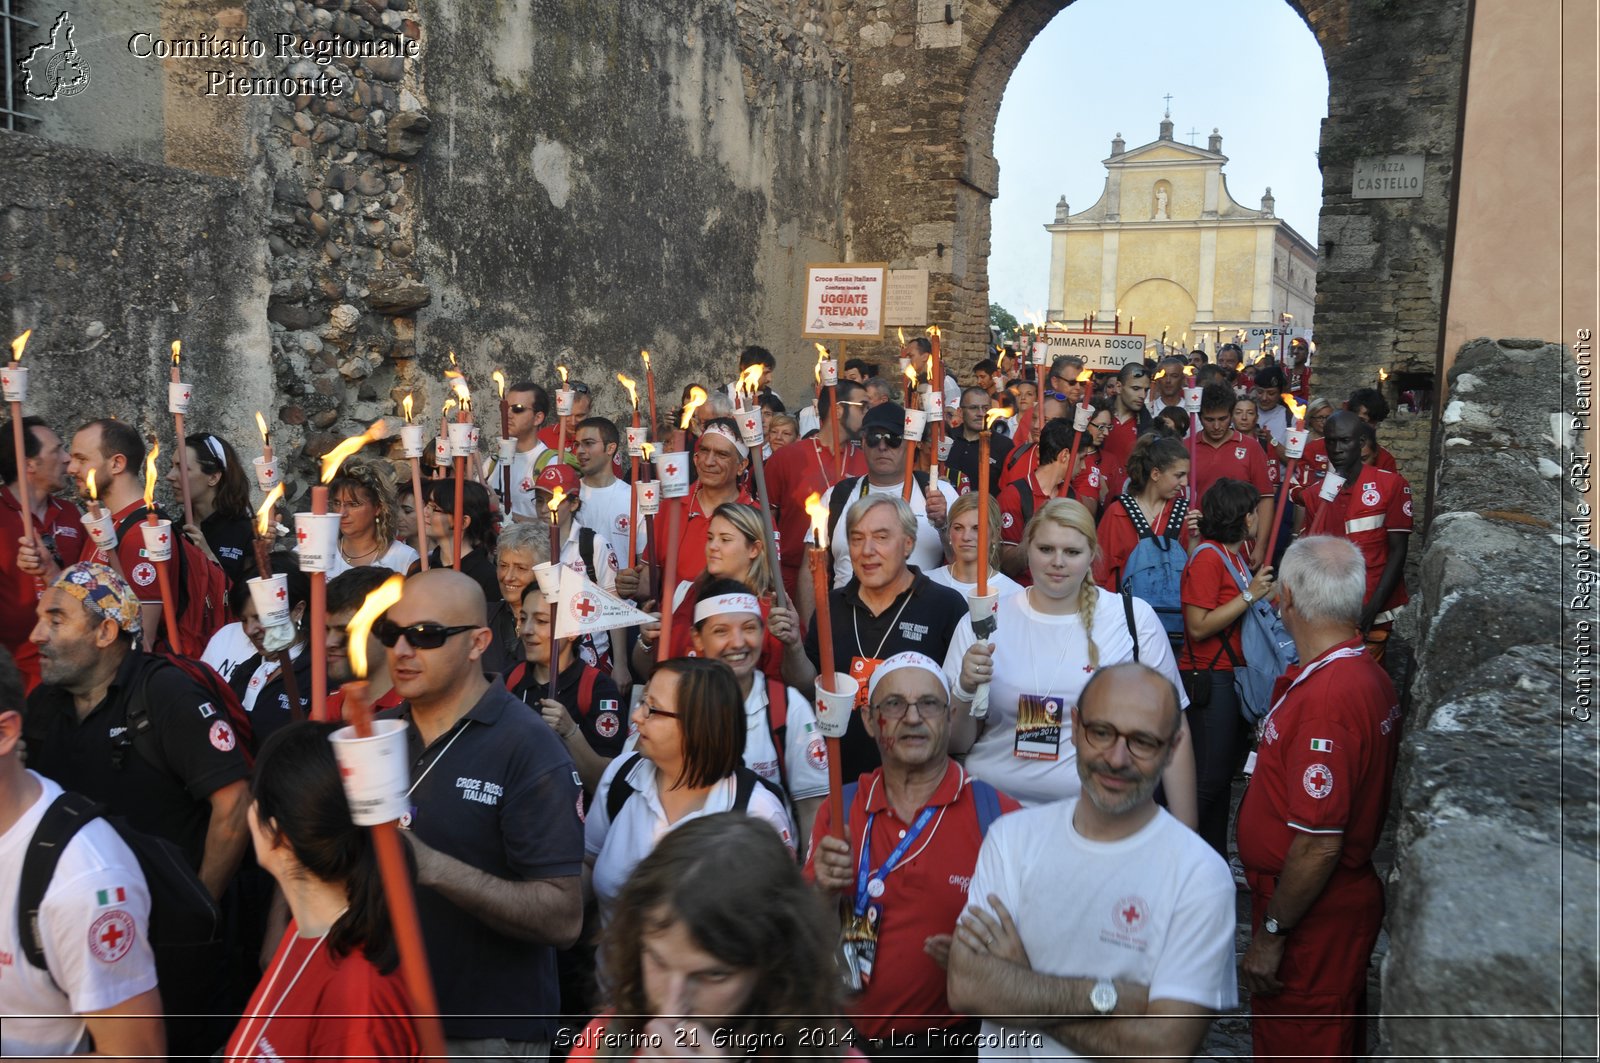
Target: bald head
1132,687
448,597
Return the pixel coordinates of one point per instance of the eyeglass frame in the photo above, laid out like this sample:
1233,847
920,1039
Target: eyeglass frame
1127,739
939,706
651,709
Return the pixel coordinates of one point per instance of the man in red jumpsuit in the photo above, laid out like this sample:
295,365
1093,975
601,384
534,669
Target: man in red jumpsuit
1312,813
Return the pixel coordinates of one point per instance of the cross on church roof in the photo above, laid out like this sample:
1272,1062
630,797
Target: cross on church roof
1168,98
1192,134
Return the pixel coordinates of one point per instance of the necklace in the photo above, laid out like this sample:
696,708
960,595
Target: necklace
245,1042
352,558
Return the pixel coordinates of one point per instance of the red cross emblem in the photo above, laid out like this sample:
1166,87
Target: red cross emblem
584,605
302,535
672,470
112,935
5,381
185,396
622,523
1130,914
1318,781
649,496
162,538
749,424
281,595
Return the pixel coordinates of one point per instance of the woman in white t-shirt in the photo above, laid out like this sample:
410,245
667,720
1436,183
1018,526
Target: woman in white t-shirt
363,496
961,535
690,741
1050,640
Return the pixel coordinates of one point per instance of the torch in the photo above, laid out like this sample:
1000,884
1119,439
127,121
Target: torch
674,486
178,405
1191,403
378,813
1080,425
833,704
411,445
268,474
751,431
1294,447
15,380
935,406
507,451
564,401
983,495
102,531
460,448
915,421
321,558
270,592
558,496
650,388
158,547
635,440
649,506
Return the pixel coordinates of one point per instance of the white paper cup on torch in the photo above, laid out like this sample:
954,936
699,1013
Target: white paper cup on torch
507,450
463,440
566,398
905,361
1331,483
318,537
932,401
1041,352
649,497
830,372
1080,417
14,381
376,771
268,473
158,540
916,422
674,468
637,438
271,596
1191,400
411,442
441,451
834,706
549,577
178,397
946,444
102,532
751,429
1294,443
983,608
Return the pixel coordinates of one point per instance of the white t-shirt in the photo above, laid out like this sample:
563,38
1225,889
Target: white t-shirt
95,924
227,649
1156,909
605,509
1276,421
1039,653
929,551
617,847
524,468
999,582
398,558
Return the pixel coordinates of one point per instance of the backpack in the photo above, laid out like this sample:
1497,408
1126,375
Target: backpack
745,787
840,499
1025,494
200,584
586,552
985,796
1268,650
221,698
182,910
1154,570
585,684
778,725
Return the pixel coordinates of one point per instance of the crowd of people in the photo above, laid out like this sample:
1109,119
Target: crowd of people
639,842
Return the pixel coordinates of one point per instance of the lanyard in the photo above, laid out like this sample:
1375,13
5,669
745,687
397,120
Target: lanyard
864,879
1348,651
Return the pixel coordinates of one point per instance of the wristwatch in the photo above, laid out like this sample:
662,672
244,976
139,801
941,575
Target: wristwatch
1271,925
1248,597
1103,997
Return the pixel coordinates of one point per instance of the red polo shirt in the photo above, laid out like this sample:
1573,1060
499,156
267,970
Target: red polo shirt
1114,451
1236,458
696,524
1325,761
1313,466
794,473
923,896
19,591
140,574
1365,511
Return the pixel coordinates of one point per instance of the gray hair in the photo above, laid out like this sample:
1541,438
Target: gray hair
1313,405
862,506
719,404
533,538
1327,577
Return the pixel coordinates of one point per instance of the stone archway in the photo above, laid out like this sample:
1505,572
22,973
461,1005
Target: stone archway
927,80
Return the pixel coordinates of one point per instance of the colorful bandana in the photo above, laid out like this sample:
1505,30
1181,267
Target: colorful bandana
103,593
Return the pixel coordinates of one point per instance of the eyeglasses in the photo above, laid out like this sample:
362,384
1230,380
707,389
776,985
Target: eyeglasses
894,707
1102,736
883,439
519,407
424,636
652,709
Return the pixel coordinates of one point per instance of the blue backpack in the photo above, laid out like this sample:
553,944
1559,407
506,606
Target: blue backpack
1268,649
1154,571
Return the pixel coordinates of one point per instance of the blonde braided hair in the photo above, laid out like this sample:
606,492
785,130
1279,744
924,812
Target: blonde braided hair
1069,513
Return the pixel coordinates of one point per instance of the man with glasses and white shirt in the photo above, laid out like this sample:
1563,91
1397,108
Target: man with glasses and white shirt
527,406
493,823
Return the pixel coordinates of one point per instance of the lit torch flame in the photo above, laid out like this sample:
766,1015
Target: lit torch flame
335,457
646,356
360,626
1159,374
499,383
264,514
449,404
1383,374
697,399
822,356
452,359
150,474
1295,408
261,423
94,496
750,380
819,520
900,334
19,343
558,496
458,384
996,414
177,345
1188,370
911,375
563,371
933,330
648,448
1086,376
631,388
405,406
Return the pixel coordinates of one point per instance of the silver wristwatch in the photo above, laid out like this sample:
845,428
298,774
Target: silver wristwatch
1248,597
1103,997
1271,925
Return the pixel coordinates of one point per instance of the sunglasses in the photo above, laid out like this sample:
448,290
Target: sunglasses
883,439
1058,396
424,636
519,407
578,387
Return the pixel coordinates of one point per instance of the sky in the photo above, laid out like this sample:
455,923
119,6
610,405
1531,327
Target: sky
1251,68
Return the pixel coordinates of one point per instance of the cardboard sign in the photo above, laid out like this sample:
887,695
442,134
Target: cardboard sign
1100,351
844,301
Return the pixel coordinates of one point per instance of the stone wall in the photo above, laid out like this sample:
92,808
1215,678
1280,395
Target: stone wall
109,261
1491,911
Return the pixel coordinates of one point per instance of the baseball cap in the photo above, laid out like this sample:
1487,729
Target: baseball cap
885,417
557,474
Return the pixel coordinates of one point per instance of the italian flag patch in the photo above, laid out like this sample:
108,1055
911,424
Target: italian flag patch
1321,745
116,895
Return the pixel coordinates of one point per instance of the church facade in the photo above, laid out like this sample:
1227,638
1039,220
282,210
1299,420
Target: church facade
1167,245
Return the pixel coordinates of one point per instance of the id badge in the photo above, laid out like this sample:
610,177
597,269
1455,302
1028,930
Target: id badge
861,669
860,944
1039,719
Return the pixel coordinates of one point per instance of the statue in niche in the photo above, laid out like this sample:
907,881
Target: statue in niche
1161,206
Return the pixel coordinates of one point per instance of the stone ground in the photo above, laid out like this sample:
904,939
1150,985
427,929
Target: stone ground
1229,1037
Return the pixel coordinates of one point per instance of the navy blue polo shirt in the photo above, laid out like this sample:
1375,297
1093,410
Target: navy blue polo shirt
498,791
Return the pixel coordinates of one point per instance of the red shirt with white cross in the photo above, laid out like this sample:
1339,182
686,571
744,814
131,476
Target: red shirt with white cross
1237,458
1313,466
139,571
1365,511
1325,760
